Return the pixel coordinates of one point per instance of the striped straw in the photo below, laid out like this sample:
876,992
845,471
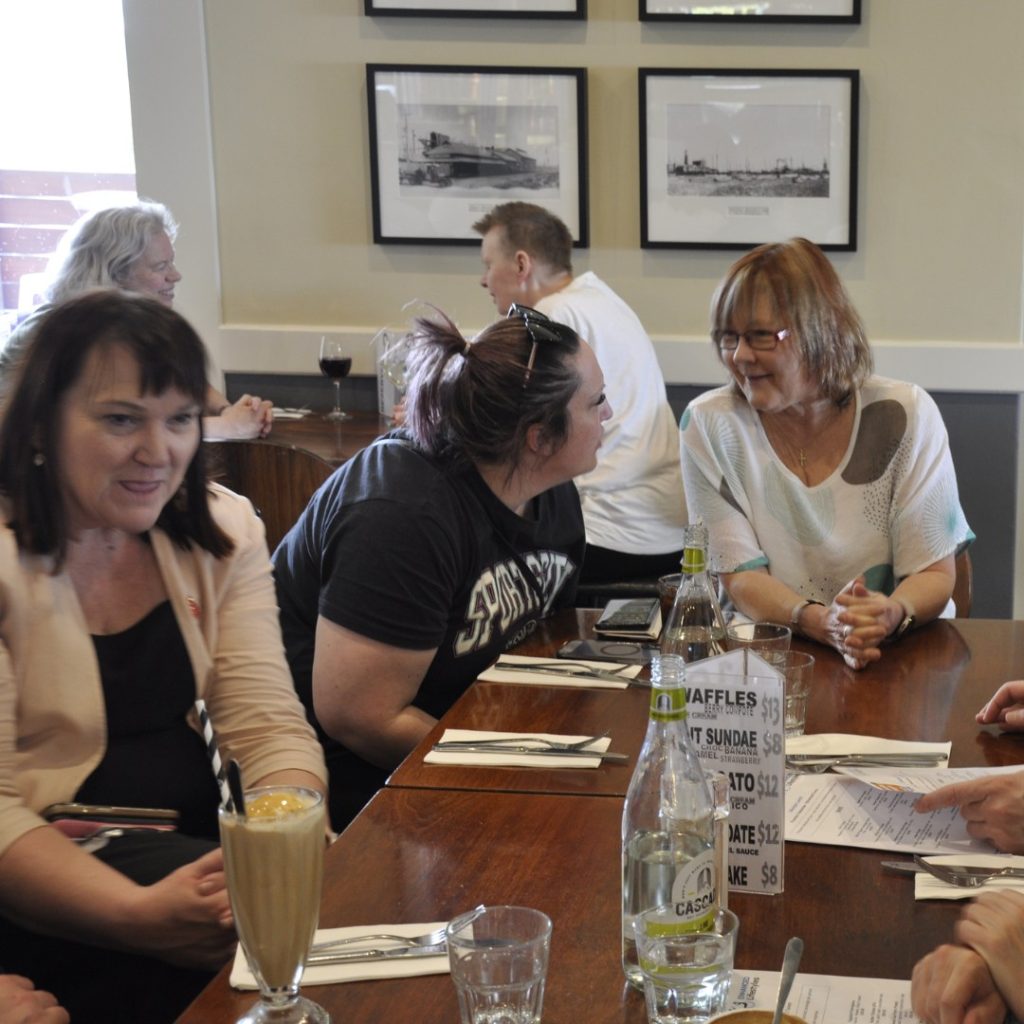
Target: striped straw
211,748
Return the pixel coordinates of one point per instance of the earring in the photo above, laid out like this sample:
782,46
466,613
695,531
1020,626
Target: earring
38,459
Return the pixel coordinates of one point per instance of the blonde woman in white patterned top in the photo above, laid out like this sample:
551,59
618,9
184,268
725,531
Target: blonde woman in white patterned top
829,494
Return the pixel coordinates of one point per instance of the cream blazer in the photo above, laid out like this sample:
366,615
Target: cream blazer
52,714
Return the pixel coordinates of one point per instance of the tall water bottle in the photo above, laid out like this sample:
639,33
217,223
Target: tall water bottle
695,629
668,835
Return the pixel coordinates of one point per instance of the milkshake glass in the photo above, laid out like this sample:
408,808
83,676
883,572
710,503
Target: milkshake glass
274,860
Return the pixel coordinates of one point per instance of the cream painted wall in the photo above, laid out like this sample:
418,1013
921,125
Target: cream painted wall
942,153
249,120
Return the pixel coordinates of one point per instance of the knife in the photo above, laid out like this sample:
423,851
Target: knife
919,759
369,955
457,747
903,867
572,673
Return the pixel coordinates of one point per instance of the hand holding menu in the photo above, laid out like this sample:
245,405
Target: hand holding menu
847,810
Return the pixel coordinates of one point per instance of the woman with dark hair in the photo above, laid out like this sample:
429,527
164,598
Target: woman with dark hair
129,588
829,494
132,247
439,546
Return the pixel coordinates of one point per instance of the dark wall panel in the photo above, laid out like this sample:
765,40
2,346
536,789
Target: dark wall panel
982,436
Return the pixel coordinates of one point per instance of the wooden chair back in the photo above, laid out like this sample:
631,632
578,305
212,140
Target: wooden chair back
278,479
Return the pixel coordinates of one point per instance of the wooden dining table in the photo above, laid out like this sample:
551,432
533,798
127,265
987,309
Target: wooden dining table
439,840
927,688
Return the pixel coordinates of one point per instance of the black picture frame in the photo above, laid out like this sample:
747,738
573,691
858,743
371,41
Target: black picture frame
547,9
731,158
791,12
448,142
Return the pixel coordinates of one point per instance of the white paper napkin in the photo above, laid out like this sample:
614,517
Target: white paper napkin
928,887
841,743
288,414
498,675
538,760
242,978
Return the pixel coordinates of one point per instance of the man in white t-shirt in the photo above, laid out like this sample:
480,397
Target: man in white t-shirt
633,504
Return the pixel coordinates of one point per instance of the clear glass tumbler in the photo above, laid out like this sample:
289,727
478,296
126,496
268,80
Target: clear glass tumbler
686,973
499,962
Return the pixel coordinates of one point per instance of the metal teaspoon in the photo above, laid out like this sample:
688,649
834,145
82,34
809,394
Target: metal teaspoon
790,962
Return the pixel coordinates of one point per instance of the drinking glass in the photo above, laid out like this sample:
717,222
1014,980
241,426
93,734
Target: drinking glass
686,973
768,639
797,668
274,861
394,349
335,364
668,586
392,362
499,961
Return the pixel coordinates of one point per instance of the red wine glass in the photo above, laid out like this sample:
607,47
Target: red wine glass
335,364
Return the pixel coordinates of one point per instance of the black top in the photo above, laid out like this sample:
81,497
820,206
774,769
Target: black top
419,553
153,757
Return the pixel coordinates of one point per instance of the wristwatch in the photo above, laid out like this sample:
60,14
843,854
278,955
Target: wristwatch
905,626
798,609
906,623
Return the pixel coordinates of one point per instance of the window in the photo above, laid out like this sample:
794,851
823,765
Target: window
67,142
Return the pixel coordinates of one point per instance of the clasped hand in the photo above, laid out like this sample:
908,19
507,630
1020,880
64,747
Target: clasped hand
859,620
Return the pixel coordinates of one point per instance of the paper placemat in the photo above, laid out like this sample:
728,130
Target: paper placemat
839,743
538,760
499,675
928,887
330,974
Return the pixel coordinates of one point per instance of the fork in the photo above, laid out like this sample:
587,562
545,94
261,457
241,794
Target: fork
506,740
571,666
430,939
966,877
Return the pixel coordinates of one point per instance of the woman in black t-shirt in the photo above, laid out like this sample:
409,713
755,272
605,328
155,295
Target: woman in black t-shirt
439,546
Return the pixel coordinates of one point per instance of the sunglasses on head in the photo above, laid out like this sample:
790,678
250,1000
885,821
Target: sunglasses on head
539,328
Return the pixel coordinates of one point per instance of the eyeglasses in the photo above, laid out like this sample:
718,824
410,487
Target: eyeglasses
759,341
539,328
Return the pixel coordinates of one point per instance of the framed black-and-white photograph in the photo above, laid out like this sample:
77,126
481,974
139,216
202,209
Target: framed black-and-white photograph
479,8
834,12
730,159
448,143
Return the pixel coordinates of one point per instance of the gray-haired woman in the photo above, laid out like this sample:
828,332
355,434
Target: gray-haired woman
132,247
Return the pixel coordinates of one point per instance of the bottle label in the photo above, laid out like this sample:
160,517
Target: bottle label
694,896
668,705
693,560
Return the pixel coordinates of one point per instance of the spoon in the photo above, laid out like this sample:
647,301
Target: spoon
790,962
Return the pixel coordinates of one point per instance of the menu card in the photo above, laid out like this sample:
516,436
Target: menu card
874,808
825,999
839,811
734,708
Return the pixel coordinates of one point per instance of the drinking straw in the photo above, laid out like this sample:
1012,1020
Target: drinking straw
214,753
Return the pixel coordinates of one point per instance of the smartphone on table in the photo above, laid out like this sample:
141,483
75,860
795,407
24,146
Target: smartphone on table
629,617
